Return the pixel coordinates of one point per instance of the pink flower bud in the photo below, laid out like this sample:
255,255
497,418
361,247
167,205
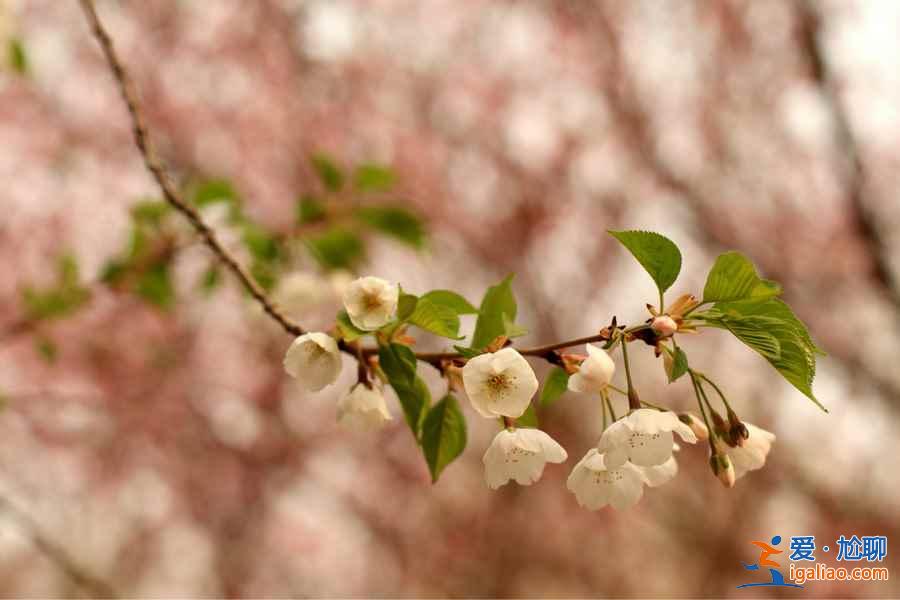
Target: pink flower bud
664,326
723,469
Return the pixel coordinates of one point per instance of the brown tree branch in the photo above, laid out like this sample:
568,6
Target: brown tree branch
156,168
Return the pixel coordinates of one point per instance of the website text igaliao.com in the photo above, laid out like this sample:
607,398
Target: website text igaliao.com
822,572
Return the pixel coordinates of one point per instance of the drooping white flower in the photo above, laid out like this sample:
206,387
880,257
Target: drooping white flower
595,373
751,455
644,437
596,484
297,292
520,454
363,408
314,360
660,474
499,383
371,302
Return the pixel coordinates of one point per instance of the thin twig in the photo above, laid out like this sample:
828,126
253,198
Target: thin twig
169,191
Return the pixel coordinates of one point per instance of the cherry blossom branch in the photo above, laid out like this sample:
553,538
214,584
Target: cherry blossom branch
208,236
164,181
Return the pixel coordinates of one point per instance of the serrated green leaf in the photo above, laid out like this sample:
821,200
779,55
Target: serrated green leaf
406,304
460,305
443,435
337,248
679,365
329,173
436,318
529,418
349,331
498,309
757,323
556,383
399,365
733,277
18,57
374,178
309,210
659,255
394,221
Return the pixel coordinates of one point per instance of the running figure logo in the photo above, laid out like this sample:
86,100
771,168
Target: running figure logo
764,561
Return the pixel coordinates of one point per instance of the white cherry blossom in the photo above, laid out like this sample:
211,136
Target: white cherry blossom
644,437
595,373
596,484
371,302
499,383
751,455
520,454
363,408
314,360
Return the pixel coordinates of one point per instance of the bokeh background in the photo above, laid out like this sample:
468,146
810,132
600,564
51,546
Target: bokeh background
151,445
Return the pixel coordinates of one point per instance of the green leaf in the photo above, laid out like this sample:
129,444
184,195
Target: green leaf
150,212
309,210
658,255
460,305
155,286
337,248
511,329
498,309
439,319
349,331
679,365
733,277
374,178
60,300
772,329
213,191
556,383
394,221
329,173
18,58
261,243
113,271
406,305
443,435
399,365
467,352
529,418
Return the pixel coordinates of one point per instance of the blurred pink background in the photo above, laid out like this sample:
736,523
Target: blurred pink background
165,453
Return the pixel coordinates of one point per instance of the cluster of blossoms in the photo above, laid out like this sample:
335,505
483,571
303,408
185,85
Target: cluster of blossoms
633,451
